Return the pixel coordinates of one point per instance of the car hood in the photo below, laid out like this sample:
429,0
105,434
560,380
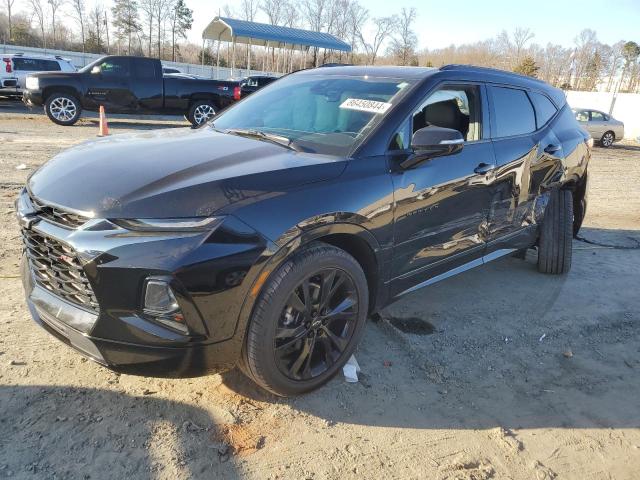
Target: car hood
173,173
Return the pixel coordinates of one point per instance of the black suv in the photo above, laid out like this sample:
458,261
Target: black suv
265,238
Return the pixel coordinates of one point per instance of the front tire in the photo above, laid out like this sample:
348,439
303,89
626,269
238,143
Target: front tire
200,112
307,321
607,139
555,246
63,108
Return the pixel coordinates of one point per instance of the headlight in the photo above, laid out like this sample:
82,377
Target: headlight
32,83
198,224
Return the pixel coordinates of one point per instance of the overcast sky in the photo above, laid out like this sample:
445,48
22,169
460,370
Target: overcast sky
442,23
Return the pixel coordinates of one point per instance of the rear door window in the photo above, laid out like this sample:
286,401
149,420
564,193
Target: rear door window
35,64
544,108
597,117
513,112
144,68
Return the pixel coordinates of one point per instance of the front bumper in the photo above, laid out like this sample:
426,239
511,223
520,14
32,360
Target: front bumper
32,98
53,314
206,271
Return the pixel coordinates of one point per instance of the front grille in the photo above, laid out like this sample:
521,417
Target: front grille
58,215
56,267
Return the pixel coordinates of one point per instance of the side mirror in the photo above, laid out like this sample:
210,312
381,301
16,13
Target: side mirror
432,141
96,70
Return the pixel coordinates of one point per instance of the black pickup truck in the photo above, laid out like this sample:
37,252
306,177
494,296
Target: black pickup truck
125,84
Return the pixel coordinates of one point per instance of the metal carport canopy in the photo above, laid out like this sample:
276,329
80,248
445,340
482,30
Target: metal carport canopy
252,33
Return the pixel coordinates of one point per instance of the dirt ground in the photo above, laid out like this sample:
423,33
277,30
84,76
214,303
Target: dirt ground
509,374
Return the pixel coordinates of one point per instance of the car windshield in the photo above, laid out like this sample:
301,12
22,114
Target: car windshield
324,114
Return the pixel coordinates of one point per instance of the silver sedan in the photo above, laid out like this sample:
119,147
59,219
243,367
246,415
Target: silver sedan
603,127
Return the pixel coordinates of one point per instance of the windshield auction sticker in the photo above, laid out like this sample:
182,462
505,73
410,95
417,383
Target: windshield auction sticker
365,105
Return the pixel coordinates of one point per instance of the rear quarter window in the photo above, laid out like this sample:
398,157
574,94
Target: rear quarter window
513,112
544,108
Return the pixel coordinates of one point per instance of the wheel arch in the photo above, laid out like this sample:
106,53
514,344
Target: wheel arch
354,239
48,91
214,98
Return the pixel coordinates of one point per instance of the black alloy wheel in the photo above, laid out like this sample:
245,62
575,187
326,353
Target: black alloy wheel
316,324
307,321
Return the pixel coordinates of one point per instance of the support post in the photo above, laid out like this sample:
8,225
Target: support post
266,53
218,60
249,60
233,56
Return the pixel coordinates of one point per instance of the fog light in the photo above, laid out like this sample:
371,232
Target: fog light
161,304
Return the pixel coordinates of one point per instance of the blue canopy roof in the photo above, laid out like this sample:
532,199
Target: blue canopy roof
228,29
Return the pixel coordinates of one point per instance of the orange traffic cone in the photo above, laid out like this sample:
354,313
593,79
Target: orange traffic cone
104,126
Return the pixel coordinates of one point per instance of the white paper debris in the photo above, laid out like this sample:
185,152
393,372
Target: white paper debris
351,369
22,166
362,105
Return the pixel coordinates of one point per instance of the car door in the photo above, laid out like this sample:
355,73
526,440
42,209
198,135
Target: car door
147,84
441,205
108,84
598,122
522,155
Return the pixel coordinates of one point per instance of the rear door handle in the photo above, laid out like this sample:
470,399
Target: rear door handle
552,148
484,168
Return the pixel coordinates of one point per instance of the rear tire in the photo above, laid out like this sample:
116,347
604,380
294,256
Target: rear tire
297,341
200,112
607,139
63,108
555,245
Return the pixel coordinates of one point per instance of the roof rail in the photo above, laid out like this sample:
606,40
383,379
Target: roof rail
473,68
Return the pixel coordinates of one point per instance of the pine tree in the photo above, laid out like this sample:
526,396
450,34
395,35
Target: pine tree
126,19
527,67
181,21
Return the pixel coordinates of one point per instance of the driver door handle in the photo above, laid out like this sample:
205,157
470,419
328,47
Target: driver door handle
484,168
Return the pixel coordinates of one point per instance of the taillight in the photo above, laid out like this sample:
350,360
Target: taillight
236,93
7,62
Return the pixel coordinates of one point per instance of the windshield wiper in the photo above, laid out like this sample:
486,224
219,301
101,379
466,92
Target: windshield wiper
259,135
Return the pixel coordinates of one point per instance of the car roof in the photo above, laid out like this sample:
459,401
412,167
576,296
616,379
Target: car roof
447,72
37,56
374,71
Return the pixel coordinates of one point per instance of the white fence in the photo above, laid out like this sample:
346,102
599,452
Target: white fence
626,107
79,59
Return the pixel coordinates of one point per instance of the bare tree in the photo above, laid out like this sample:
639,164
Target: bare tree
9,4
96,28
39,13
521,36
249,9
148,7
615,61
586,43
314,12
79,10
404,43
383,27
274,10
54,5
357,17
